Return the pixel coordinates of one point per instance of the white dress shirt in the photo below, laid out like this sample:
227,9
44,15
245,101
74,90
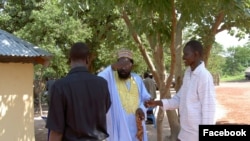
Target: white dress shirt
196,102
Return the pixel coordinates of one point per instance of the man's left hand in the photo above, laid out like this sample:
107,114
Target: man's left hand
140,113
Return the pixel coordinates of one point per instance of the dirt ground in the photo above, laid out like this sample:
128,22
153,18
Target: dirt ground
234,99
40,131
232,108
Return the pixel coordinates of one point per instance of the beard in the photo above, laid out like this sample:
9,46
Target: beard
123,74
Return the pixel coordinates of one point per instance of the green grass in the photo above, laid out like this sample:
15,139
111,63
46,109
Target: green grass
232,78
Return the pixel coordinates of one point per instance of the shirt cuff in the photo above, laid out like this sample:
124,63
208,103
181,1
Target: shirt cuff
164,104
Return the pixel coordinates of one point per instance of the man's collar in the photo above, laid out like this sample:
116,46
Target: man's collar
77,69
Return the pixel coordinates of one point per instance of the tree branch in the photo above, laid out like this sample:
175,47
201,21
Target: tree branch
218,21
226,27
172,46
138,41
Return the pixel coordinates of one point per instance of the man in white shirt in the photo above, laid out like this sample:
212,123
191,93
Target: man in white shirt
196,97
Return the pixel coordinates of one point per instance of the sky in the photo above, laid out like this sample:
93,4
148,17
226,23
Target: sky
228,41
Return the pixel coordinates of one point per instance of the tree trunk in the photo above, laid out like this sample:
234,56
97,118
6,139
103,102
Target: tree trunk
173,119
39,90
210,38
40,104
178,63
160,117
174,126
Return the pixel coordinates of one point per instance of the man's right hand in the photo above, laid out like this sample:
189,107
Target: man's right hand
153,103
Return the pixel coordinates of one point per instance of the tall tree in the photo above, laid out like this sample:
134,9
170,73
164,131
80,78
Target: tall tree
220,15
155,26
237,60
15,13
151,28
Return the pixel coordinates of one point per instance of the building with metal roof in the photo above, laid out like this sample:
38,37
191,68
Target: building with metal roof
14,49
17,60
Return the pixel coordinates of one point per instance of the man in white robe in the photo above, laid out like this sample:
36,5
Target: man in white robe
128,95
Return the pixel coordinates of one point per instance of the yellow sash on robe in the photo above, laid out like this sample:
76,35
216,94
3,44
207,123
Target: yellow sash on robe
128,95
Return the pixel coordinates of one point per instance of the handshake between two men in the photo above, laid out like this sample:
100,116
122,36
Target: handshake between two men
153,103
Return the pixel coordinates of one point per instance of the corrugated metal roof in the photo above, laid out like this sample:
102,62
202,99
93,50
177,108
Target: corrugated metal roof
11,45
